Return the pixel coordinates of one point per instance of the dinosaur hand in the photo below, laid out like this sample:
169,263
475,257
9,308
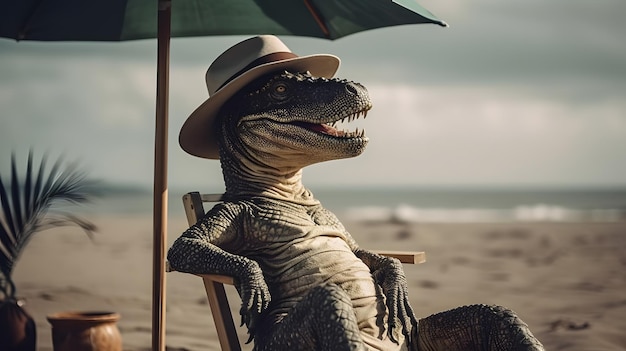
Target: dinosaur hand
392,280
255,296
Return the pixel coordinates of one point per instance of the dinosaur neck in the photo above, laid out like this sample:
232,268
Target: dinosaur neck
246,176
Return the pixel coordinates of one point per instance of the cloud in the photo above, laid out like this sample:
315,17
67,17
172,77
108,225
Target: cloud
93,110
485,136
493,42
513,92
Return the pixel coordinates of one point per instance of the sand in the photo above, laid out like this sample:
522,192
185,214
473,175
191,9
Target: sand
566,280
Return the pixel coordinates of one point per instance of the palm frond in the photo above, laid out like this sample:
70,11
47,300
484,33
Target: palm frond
67,219
27,186
7,247
6,261
39,180
25,209
7,227
15,195
50,180
6,207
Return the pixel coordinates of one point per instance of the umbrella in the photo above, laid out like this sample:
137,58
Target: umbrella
116,20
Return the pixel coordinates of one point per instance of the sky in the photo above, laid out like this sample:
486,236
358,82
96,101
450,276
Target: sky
517,93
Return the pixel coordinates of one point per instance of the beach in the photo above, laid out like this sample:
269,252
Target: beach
565,279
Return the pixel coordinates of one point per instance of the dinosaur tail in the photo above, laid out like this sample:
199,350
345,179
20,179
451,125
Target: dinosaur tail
474,328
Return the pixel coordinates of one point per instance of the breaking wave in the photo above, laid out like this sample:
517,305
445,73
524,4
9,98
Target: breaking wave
524,213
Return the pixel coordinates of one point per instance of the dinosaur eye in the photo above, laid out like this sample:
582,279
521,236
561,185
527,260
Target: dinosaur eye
280,88
280,91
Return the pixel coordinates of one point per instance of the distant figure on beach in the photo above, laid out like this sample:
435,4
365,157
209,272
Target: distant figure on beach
302,278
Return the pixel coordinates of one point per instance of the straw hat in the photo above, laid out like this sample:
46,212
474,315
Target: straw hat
231,71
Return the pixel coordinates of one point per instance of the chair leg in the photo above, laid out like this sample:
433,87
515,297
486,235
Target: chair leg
220,309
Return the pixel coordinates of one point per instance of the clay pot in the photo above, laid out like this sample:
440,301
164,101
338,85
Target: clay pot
17,327
85,331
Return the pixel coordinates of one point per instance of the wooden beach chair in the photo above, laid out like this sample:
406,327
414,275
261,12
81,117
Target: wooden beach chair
214,284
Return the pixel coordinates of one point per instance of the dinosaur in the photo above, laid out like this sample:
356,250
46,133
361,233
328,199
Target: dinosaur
304,282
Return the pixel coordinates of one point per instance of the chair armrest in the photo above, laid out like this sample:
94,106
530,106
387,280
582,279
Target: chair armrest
224,279
409,257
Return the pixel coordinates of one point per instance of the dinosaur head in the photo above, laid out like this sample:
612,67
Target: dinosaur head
286,121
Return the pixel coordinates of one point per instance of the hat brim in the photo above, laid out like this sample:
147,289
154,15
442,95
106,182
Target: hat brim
197,135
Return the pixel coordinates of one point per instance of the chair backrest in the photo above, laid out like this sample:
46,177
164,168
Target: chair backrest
214,284
193,203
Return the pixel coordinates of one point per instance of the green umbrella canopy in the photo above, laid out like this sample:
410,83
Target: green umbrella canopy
115,20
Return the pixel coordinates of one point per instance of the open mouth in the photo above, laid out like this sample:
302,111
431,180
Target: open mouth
332,128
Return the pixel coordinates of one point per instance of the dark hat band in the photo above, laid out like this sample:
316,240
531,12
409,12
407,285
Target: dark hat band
273,57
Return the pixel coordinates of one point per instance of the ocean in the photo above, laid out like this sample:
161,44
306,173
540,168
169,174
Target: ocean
420,204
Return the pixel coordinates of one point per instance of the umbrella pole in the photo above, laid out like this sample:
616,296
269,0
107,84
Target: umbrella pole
160,177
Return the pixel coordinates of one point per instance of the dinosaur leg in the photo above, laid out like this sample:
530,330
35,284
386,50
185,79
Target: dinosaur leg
476,328
322,320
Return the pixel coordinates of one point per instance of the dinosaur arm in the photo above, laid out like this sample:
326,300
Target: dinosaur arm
198,251
388,273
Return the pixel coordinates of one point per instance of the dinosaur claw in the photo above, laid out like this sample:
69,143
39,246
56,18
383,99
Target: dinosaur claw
250,338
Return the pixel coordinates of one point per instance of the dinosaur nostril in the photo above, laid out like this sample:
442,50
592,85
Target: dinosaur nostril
351,88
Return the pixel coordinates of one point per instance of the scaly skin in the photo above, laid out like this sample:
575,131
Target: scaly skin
304,282
499,329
